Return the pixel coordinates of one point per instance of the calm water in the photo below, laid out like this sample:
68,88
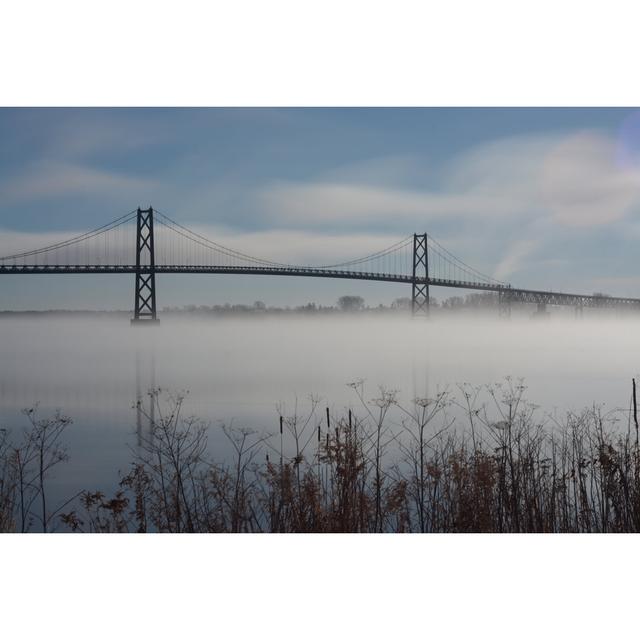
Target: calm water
241,370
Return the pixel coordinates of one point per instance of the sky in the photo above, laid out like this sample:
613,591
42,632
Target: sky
540,198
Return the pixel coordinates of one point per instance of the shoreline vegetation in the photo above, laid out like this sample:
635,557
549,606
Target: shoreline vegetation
480,459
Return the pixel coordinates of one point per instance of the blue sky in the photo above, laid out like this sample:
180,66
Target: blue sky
543,198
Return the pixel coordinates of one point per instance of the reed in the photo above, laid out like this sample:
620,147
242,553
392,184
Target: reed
476,459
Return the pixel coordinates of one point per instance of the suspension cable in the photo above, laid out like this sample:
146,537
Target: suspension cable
76,239
196,237
464,266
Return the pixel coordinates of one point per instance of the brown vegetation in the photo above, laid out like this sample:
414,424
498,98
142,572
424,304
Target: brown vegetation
384,468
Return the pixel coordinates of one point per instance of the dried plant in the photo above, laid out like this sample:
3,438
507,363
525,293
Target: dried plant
483,459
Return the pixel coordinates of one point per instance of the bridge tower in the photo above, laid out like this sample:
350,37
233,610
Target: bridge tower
145,295
420,281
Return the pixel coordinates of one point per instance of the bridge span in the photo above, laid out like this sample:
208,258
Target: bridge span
163,246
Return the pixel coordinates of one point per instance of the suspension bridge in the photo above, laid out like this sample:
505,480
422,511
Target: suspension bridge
164,246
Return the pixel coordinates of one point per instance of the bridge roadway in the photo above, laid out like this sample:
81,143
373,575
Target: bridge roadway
508,293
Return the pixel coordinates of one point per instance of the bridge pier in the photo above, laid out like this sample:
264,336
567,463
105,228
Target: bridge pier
145,293
420,280
541,311
578,311
504,305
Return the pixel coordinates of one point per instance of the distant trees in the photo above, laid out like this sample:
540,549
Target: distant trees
351,303
471,301
346,304
401,303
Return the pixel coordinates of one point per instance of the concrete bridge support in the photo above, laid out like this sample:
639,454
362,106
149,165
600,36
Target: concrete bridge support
541,311
504,305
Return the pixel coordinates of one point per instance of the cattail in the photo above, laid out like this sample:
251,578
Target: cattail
635,408
328,422
318,433
281,425
349,419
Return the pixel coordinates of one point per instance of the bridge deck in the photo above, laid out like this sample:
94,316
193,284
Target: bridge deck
508,293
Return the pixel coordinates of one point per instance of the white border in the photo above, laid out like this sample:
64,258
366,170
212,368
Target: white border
319,586
318,53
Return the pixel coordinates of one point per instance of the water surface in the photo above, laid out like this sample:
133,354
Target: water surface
245,370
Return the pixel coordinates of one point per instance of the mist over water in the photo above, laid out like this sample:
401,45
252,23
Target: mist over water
244,370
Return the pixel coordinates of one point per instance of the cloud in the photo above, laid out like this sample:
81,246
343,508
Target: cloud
72,154
325,204
389,170
573,180
582,184
81,137
513,261
51,180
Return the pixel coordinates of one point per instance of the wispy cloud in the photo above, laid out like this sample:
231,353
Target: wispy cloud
514,258
573,180
326,204
582,185
82,137
55,179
